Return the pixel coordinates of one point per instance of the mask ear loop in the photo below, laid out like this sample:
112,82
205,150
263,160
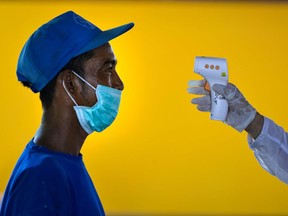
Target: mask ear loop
69,93
83,80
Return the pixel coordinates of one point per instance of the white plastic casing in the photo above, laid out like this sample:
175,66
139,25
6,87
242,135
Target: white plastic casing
214,70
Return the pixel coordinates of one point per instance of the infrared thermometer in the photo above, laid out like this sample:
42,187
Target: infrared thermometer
214,71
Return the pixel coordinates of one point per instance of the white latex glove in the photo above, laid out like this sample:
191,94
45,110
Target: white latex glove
197,87
240,112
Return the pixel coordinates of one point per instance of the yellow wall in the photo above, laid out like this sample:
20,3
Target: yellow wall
161,155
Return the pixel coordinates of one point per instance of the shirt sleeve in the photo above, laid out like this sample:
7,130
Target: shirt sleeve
271,149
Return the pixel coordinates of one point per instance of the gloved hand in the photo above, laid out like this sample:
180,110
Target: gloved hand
240,112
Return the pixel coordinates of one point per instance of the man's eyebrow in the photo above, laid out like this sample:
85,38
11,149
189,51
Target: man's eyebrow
110,61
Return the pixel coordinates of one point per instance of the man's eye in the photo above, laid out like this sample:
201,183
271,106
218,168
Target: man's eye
109,71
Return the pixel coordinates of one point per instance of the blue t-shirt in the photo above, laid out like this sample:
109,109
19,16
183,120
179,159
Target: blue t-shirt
50,183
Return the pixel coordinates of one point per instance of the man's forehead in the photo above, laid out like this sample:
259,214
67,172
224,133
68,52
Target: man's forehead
104,50
102,58
103,55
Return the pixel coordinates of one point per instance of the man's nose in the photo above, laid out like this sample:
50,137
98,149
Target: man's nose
117,83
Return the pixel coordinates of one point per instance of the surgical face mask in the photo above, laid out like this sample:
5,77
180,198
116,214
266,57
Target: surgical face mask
103,113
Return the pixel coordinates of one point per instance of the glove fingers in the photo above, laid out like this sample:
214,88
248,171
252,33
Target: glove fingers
197,87
197,91
206,100
196,83
204,108
203,103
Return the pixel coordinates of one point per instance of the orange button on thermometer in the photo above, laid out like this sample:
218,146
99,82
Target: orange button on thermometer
207,87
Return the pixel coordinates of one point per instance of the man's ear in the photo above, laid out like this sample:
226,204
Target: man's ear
70,81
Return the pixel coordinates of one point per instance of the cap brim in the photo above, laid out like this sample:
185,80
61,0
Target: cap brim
104,37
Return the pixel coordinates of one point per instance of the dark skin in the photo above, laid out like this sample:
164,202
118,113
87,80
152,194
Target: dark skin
255,127
60,130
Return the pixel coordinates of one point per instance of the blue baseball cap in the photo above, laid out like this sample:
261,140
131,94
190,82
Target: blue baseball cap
55,43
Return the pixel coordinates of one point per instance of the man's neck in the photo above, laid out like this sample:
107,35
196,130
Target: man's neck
61,134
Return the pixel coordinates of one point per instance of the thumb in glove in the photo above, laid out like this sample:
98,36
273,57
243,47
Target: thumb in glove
240,112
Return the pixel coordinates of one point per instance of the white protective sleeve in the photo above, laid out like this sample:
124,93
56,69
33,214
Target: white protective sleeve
271,149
